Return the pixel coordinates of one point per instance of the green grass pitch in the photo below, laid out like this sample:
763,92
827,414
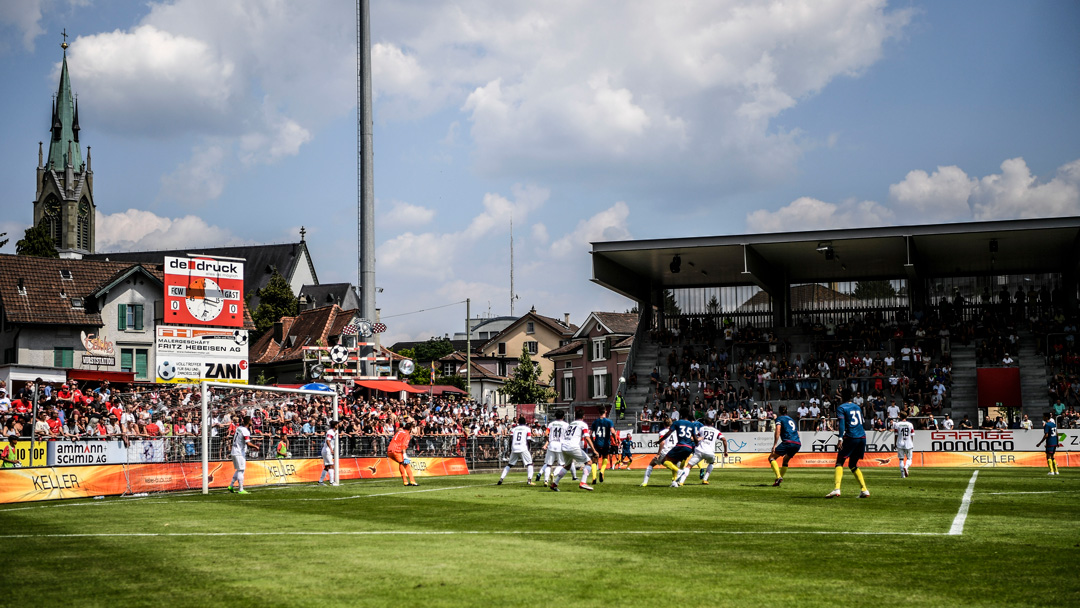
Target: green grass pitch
463,541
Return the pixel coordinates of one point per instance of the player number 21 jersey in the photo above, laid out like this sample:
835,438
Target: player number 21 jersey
574,434
520,438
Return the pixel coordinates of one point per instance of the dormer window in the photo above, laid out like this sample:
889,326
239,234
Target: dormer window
65,274
77,302
21,287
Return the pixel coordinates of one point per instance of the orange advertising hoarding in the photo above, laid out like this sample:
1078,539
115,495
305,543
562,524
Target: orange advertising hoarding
53,483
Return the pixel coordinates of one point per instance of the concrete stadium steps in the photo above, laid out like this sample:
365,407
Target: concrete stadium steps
1033,378
646,357
964,392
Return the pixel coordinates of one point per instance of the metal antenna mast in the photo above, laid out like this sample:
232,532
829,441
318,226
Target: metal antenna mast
511,265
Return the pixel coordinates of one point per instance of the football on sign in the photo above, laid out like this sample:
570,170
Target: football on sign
204,291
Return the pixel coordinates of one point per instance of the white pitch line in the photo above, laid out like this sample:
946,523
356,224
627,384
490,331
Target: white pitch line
957,527
476,533
1040,492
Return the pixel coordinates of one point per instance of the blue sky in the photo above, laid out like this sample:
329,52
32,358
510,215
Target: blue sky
218,123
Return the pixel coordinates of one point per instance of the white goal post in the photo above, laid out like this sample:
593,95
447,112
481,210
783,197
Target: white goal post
205,426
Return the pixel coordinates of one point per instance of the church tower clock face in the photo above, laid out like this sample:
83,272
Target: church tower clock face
205,300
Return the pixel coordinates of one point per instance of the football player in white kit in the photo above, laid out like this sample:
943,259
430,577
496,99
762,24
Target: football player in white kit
574,443
241,442
667,441
707,436
328,453
905,432
553,457
519,450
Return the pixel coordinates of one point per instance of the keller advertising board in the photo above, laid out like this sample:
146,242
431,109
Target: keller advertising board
204,291
186,355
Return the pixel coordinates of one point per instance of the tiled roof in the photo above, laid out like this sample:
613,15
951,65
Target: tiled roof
801,297
259,261
48,298
624,343
305,329
566,349
618,322
553,324
325,294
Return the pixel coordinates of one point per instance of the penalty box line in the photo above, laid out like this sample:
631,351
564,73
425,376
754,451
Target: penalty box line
957,527
477,533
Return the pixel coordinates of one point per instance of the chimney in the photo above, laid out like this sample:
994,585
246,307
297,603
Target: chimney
279,332
566,319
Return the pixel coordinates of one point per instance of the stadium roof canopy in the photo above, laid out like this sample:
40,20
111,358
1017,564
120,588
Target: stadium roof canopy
637,269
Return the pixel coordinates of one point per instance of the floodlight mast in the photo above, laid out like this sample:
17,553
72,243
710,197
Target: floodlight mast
365,171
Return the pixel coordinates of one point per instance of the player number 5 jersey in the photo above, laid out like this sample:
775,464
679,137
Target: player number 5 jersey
577,431
520,438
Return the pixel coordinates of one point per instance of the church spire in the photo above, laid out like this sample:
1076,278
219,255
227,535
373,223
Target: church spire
65,124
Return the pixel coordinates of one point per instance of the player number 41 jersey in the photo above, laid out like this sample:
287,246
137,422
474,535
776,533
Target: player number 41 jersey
520,438
556,432
577,431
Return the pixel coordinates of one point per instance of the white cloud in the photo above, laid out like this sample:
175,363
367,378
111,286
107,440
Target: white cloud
607,225
135,229
807,213
629,90
198,180
1016,193
947,194
540,233
405,214
941,196
25,17
436,254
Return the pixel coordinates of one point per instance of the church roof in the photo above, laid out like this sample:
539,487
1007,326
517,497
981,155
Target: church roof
260,261
65,120
342,294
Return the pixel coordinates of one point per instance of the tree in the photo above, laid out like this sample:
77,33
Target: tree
37,243
874,290
3,241
276,300
671,307
523,385
432,350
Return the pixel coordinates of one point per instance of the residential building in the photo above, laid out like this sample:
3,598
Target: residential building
278,355
534,333
588,366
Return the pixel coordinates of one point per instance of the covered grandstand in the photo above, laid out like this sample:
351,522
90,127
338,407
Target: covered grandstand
965,293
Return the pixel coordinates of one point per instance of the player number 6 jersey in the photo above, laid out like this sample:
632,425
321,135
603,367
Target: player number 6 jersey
520,438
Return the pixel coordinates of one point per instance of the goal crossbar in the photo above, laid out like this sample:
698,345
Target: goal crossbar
204,387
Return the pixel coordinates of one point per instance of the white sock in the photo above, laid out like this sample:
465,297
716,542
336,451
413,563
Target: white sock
240,479
648,472
235,477
683,474
708,471
559,474
506,470
529,478
585,473
908,465
322,475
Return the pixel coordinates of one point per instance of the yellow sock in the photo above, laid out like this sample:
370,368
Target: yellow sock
595,470
1052,464
862,482
673,467
783,471
775,468
839,476
603,466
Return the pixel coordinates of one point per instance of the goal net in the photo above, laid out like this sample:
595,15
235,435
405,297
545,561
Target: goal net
287,427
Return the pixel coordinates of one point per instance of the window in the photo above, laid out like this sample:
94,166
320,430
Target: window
530,328
135,360
140,364
569,385
502,368
65,275
502,348
569,364
599,384
601,349
532,347
63,357
129,316
83,226
51,219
